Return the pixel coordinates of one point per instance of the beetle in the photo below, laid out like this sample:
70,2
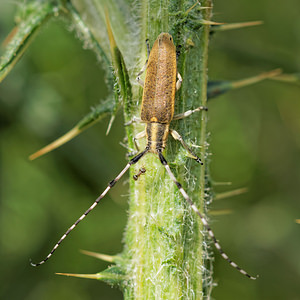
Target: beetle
157,111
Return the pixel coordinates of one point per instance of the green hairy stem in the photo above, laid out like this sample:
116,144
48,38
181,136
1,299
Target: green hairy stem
164,250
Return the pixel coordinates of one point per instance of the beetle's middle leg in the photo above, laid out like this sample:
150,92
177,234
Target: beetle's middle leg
189,112
133,120
179,81
179,138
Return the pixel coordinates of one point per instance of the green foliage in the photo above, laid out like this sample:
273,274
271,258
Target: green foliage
250,144
178,264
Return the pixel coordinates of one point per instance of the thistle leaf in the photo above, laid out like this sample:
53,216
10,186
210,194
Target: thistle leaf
89,120
35,15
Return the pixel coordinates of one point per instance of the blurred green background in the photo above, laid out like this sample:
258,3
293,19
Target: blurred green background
254,140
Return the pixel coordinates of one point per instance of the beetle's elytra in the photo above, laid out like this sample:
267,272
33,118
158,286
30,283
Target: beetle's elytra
160,82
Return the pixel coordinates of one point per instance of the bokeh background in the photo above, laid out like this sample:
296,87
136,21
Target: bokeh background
254,141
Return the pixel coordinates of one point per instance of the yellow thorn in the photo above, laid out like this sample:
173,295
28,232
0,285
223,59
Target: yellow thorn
111,38
207,22
110,124
201,7
231,193
220,212
10,36
237,25
257,78
297,221
101,256
57,143
287,78
88,276
189,42
222,183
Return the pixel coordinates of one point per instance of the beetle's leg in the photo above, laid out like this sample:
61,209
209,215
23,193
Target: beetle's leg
189,112
137,137
138,78
179,138
133,120
179,81
148,48
136,145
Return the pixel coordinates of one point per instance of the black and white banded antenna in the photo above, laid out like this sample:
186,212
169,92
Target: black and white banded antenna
110,185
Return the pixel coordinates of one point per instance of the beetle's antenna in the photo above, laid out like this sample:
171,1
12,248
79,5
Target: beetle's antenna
203,220
133,161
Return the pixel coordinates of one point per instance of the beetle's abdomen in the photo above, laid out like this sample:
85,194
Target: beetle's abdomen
157,135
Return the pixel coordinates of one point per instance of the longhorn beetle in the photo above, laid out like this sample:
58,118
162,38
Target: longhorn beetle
157,112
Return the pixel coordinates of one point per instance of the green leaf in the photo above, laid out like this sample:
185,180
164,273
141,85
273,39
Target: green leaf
34,15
